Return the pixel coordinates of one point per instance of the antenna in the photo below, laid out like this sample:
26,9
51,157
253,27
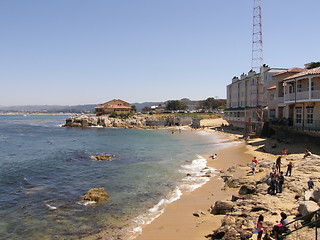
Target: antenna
257,53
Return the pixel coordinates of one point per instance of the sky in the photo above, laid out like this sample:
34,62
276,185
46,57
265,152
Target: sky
73,52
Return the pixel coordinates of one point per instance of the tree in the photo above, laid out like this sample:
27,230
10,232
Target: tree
211,104
313,65
175,105
133,108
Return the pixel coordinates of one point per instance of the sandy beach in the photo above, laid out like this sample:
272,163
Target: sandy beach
179,222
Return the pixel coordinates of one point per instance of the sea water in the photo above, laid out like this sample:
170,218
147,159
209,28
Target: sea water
45,169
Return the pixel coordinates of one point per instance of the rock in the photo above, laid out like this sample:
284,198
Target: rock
307,207
228,220
245,235
102,157
247,189
96,194
315,196
222,207
198,213
231,234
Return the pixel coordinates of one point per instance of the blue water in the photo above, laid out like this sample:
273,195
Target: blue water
45,169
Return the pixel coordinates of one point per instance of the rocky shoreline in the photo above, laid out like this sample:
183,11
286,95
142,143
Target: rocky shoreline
131,122
242,210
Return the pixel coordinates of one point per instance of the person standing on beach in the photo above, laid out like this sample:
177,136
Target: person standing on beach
310,184
273,186
260,228
289,169
280,182
278,163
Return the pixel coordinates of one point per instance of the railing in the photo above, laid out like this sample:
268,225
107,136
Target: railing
280,99
303,125
315,94
310,220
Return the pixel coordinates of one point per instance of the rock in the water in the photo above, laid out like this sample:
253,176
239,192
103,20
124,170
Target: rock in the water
96,194
102,157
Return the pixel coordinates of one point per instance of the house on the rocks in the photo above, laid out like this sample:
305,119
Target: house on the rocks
299,98
114,106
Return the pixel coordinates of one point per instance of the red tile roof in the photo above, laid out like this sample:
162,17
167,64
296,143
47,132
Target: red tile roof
306,72
291,70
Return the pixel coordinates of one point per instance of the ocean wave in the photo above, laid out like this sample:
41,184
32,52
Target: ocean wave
196,175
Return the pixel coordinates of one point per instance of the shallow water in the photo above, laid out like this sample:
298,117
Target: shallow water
45,169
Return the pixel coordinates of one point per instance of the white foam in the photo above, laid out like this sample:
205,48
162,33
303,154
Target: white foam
196,169
85,203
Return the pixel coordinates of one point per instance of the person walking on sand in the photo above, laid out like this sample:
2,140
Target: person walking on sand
260,228
289,169
310,184
278,164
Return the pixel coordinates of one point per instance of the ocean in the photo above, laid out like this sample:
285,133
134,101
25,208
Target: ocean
46,169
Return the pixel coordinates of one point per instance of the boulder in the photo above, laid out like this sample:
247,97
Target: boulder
97,195
222,207
307,207
315,196
228,220
247,189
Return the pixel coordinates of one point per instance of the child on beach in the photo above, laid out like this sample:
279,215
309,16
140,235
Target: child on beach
310,184
253,167
260,228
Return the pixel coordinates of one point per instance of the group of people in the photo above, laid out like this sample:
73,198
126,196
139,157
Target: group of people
276,182
276,230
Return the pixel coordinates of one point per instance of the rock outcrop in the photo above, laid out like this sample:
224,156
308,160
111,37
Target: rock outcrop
97,195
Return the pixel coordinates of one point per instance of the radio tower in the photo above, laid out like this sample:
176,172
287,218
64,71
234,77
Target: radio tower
257,53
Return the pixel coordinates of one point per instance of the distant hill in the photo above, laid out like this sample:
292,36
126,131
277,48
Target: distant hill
88,108
140,106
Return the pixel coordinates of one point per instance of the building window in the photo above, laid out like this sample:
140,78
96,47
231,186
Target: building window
271,97
312,86
299,86
310,115
299,115
272,113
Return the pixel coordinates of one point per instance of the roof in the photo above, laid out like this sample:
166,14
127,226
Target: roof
306,72
113,107
291,70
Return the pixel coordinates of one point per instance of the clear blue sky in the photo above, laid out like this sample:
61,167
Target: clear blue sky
70,52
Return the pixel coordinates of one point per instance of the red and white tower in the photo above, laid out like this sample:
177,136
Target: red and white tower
257,50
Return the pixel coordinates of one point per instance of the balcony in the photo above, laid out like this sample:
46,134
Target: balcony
304,125
302,96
